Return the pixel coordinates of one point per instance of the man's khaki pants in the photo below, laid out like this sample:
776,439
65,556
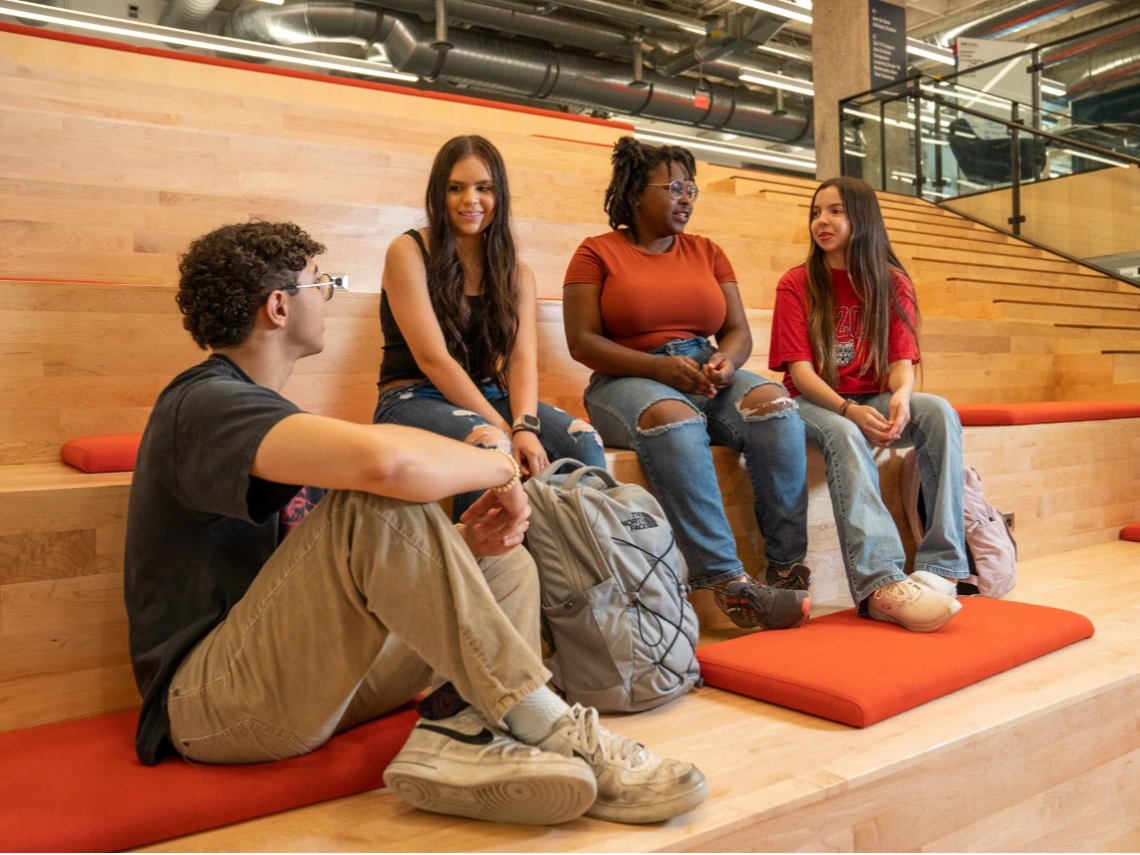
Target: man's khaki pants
364,603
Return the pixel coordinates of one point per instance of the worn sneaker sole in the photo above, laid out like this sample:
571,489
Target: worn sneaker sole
917,627
535,798
638,814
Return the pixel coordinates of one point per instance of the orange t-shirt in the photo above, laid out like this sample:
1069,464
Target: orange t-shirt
649,299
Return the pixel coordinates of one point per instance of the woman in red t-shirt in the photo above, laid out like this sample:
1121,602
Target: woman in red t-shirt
845,334
641,303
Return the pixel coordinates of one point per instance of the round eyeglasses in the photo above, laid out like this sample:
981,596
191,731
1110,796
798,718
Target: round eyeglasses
327,284
677,189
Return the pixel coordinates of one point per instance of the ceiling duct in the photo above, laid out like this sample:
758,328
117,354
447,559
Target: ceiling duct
494,64
1109,68
1014,20
188,14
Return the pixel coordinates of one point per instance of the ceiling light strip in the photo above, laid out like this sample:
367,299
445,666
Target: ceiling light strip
778,7
777,81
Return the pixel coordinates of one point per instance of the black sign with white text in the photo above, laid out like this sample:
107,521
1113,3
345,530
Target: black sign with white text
888,43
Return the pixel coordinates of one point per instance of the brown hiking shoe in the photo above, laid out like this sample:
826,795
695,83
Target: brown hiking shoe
797,578
754,606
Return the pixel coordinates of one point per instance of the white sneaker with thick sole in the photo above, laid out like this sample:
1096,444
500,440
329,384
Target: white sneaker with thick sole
634,784
914,606
941,584
463,766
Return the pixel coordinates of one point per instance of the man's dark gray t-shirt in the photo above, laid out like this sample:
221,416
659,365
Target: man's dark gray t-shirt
200,526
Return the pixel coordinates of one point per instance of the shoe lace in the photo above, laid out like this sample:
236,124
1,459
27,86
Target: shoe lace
599,744
905,591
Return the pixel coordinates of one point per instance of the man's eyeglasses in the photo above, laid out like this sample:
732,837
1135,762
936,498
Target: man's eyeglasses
326,284
680,188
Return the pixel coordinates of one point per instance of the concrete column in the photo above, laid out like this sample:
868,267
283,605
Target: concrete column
841,67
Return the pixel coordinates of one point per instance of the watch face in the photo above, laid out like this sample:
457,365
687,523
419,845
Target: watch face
528,421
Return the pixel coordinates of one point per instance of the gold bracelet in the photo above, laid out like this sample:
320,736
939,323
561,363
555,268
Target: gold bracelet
504,488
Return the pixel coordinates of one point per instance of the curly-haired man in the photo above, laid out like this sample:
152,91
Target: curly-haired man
248,647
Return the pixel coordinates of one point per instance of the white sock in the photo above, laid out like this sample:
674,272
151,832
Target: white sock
532,719
941,584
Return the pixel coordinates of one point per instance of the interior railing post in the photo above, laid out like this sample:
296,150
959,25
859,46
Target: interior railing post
918,178
1015,167
938,180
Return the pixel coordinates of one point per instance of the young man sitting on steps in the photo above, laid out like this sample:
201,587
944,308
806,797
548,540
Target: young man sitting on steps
250,648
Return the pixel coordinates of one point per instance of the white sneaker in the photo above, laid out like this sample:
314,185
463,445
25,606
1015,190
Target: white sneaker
914,606
634,784
941,584
461,765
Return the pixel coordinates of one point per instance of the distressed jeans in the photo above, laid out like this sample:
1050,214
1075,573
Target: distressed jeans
422,405
873,552
678,463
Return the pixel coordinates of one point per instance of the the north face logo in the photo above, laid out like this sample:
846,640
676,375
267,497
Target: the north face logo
639,520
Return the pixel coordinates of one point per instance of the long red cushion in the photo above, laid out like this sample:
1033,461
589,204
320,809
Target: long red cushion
77,785
1130,532
859,671
1042,412
111,453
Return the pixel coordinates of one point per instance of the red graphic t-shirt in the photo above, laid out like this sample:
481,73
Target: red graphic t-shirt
791,341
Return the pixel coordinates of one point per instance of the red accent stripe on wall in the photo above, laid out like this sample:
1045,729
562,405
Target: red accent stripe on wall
88,41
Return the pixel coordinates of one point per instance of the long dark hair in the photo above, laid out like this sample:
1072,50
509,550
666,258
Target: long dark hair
500,263
632,162
872,266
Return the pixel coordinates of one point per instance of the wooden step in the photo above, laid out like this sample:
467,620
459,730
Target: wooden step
1042,757
1064,312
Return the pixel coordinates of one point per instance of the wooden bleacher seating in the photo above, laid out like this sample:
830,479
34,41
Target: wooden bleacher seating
111,168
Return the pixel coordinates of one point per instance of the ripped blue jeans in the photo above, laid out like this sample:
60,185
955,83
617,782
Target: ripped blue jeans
678,463
422,405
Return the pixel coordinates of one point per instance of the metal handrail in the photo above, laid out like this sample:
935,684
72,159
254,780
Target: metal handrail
1014,126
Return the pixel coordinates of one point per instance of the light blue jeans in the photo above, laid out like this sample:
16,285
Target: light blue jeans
873,552
678,463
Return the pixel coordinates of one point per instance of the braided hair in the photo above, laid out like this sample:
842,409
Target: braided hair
632,162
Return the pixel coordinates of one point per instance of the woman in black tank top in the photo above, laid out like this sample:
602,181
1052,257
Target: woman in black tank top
459,317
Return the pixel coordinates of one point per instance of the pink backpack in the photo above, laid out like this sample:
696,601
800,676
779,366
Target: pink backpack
989,543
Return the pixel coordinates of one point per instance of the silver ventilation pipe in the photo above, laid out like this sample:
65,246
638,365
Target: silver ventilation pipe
1019,18
507,66
986,14
501,65
1107,68
293,24
188,14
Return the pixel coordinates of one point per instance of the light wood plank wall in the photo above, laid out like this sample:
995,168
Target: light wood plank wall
110,163
1088,214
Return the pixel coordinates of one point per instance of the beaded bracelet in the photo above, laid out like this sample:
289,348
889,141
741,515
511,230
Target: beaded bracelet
505,488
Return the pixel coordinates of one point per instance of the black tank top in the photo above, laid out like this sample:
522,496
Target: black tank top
398,362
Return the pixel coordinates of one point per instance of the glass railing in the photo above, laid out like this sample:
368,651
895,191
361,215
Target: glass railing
1033,171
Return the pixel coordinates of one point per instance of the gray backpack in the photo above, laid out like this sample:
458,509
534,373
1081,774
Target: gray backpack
615,610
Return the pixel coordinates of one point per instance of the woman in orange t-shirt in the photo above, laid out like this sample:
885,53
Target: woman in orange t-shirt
641,304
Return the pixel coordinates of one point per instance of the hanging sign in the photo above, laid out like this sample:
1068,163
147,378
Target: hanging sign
888,43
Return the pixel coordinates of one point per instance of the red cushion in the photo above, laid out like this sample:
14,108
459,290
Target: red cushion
1042,412
77,785
1130,532
112,453
859,671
